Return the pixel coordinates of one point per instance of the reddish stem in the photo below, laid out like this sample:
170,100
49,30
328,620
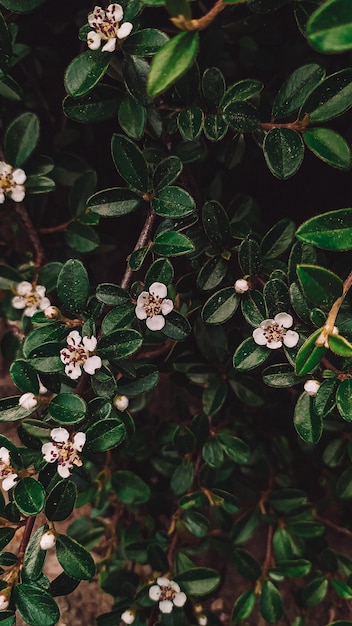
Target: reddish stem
141,242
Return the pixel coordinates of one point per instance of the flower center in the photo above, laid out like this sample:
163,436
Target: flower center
6,182
32,299
77,355
167,593
275,332
5,470
67,453
152,305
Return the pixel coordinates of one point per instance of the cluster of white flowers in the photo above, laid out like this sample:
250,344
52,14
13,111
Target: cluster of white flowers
272,333
168,594
11,183
7,473
29,298
78,354
152,305
63,450
106,25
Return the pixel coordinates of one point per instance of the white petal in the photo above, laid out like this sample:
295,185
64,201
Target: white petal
60,435
74,338
291,339
140,312
4,602
284,319
65,355
42,388
89,344
128,616
121,402
124,30
241,285
265,323
312,387
78,441
180,599
2,197
19,176
50,452
73,371
4,455
167,306
93,40
163,581
24,288
47,540
44,303
110,45
158,289
142,298
154,592
96,16
115,11
18,193
259,337
28,401
92,364
274,345
40,290
9,482
5,168
166,606
18,302
64,470
30,310
157,322
174,586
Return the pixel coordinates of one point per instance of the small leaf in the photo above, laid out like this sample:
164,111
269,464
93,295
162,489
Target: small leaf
340,345
74,559
177,326
306,421
67,408
172,61
21,138
190,123
344,399
330,231
270,602
105,435
309,355
167,171
329,29
283,152
328,146
132,117
29,496
145,42
221,306
73,286
35,605
119,344
243,607
249,355
296,89
320,286
61,500
130,488
98,105
173,202
130,162
171,243
241,116
199,581
330,98
85,71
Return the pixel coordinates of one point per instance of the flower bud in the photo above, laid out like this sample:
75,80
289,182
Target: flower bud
47,540
202,620
121,402
28,401
128,616
312,387
5,599
52,312
241,285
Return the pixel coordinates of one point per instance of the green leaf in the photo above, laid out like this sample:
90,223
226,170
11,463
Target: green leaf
309,355
320,286
241,116
190,123
184,440
221,306
11,411
21,6
342,588
253,308
295,567
35,605
74,559
130,162
119,344
270,602
85,71
81,237
167,171
249,355
325,400
243,607
216,223
98,105
118,318
328,146
61,500
105,434
306,421
132,117
39,184
330,231
73,286
182,478
343,485
145,42
130,488
283,151
331,98
198,581
280,375
34,556
278,239
173,202
160,271
10,89
249,256
240,91
276,296
215,127
212,273
135,72
111,294
329,29
343,399
296,89
24,376
213,453
29,496
67,408
214,396
315,591
176,326
213,86
47,334
236,449
172,61
196,523
340,345
246,564
171,243
21,138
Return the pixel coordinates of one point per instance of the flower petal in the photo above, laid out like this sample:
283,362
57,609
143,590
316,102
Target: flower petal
154,592
74,338
19,176
312,387
78,441
64,470
50,452
73,371
4,455
93,40
265,323
9,481
163,581
17,193
259,337
167,306
284,319
89,344
140,312
44,303
92,364
124,30
24,288
60,435
115,12
2,197
97,15
19,302
30,310
291,339
110,45
158,289
274,345
157,322
241,285
28,401
180,599
174,586
166,606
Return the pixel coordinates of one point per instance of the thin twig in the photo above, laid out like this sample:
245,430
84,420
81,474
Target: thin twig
339,529
54,229
30,521
141,242
21,212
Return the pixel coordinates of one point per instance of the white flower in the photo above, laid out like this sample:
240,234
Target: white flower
77,355
153,305
4,601
128,616
29,298
63,450
312,387
7,473
121,402
167,593
202,620
11,183
47,540
274,333
106,25
241,285
28,401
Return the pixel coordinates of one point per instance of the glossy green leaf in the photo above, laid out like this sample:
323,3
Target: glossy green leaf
296,89
39,184
11,411
270,602
278,239
214,396
29,496
215,127
213,86
171,243
283,152
173,202
241,116
130,162
100,104
119,344
172,61
67,408
61,500
320,286
249,256
221,306
253,308
198,581
34,556
196,523
343,485
81,237
73,286
280,375
135,73
190,123
240,91
315,591
212,273
120,317
295,567
130,488
344,399
181,481
309,355
243,607
177,326
145,42
329,29
342,588
21,138
105,435
246,564
276,296
74,559
328,146
236,449
216,223
325,401
167,171
111,294
85,71
132,117
340,345
331,98
24,376
249,355
35,605
306,421
330,231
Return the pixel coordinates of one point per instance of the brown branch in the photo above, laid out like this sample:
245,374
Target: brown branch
203,22
141,242
328,329
299,125
30,521
339,529
22,214
54,229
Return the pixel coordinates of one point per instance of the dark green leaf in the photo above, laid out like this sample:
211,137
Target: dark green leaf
199,581
328,146
309,355
172,61
215,127
221,306
280,375
283,152
167,171
98,105
241,116
35,605
216,223
243,607
249,355
213,86
246,564
212,273
130,162
24,376
132,117
74,559
173,202
34,556
120,344
113,202
105,435
331,98
329,29
73,286
21,138
344,399
145,42
253,308
130,488
81,237
296,89
315,591
270,602
85,71
320,286
171,243
306,421
176,326
190,123
135,72
240,91
29,496
330,231
61,500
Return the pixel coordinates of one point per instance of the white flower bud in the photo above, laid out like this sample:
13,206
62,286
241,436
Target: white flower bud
202,620
51,312
47,540
28,401
241,285
312,387
4,601
121,402
128,616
